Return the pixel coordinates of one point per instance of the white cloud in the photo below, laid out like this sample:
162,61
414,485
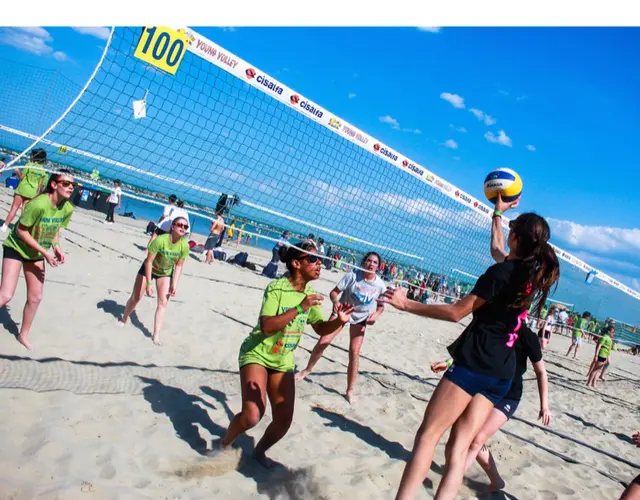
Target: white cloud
456,158
531,147
33,40
600,239
458,129
37,32
522,98
352,95
395,125
430,29
60,56
454,99
483,117
503,92
502,138
99,32
390,121
451,144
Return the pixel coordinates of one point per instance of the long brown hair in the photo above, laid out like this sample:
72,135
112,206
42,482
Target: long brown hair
532,234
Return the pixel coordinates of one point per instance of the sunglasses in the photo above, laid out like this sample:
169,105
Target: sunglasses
312,258
67,183
181,225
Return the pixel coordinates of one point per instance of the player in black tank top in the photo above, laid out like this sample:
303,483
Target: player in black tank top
485,359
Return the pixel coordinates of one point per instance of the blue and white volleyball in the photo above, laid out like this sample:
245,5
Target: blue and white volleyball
504,181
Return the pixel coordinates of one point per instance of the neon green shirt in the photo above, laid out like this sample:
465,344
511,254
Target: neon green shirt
167,254
34,177
605,344
43,220
275,351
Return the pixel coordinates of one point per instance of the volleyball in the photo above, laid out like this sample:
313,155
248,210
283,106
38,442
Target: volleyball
504,181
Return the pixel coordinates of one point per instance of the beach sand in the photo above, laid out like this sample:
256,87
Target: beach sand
99,412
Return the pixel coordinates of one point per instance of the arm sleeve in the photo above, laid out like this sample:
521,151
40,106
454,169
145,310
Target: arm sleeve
270,301
154,246
315,315
185,251
490,283
532,345
346,281
32,212
67,216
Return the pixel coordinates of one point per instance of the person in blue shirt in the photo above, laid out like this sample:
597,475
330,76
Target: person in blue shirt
12,182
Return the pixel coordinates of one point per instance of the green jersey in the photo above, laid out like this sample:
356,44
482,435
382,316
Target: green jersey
33,177
605,344
167,254
43,220
275,351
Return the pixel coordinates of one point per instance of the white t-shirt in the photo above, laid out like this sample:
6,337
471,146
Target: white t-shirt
115,195
176,212
360,293
563,317
166,212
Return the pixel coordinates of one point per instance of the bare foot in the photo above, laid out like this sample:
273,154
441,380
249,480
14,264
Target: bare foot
302,375
493,487
24,341
121,322
156,340
350,398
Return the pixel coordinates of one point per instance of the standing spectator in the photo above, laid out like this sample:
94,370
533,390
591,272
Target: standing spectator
114,200
563,320
217,228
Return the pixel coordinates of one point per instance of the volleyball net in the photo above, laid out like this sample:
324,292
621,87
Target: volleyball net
168,111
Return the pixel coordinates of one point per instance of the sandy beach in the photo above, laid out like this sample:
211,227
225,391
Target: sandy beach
98,412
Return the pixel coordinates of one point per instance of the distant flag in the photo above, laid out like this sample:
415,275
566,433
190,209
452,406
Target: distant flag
140,107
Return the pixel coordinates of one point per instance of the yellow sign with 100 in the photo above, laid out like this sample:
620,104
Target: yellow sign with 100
162,47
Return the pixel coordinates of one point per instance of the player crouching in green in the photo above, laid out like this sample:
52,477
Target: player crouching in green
266,355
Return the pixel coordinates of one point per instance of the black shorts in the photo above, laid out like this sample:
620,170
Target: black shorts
10,253
159,231
601,359
547,335
153,276
507,406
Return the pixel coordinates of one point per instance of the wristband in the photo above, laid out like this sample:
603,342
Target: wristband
149,284
449,363
300,311
497,213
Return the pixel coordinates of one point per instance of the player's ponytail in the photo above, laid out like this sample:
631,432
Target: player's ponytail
532,234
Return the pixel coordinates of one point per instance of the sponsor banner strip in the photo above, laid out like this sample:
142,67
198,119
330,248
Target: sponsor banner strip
217,55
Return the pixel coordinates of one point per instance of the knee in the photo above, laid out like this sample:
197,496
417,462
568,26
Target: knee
5,298
162,302
455,451
34,298
252,416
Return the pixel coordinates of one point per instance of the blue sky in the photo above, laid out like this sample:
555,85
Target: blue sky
560,106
